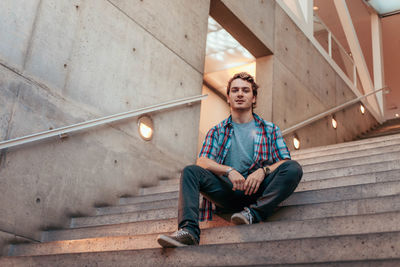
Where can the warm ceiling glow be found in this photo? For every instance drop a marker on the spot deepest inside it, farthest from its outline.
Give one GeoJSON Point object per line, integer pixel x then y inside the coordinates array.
{"type": "Point", "coordinates": [145, 128]}
{"type": "Point", "coordinates": [334, 123]}
{"type": "Point", "coordinates": [296, 143]}
{"type": "Point", "coordinates": [362, 109]}
{"type": "Point", "coordinates": [316, 8]}
{"type": "Point", "coordinates": [222, 50]}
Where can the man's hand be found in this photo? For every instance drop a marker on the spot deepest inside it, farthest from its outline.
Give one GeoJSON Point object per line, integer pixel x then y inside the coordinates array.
{"type": "Point", "coordinates": [237, 180]}
{"type": "Point", "coordinates": [253, 182]}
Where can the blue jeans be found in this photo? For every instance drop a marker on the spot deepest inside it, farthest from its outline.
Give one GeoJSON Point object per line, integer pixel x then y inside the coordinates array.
{"type": "Point", "coordinates": [275, 188]}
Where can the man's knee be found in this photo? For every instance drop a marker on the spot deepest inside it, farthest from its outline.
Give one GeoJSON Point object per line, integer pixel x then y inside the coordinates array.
{"type": "Point", "coordinates": [191, 171]}
{"type": "Point", "coordinates": [293, 171]}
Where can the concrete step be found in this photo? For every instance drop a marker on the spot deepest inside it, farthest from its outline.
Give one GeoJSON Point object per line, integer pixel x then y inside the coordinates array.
{"type": "Point", "coordinates": [147, 198]}
{"type": "Point", "coordinates": [337, 208]}
{"type": "Point", "coordinates": [331, 198]}
{"type": "Point", "coordinates": [344, 193]}
{"type": "Point", "coordinates": [352, 170]}
{"type": "Point", "coordinates": [341, 163]}
{"type": "Point", "coordinates": [375, 177]}
{"type": "Point", "coordinates": [146, 215]}
{"type": "Point", "coordinates": [351, 154]}
{"type": "Point", "coordinates": [304, 195]}
{"type": "Point", "coordinates": [125, 229]}
{"type": "Point", "coordinates": [174, 181]}
{"type": "Point", "coordinates": [298, 212]}
{"type": "Point", "coordinates": [261, 232]}
{"type": "Point", "coordinates": [346, 147]}
{"type": "Point", "coordinates": [337, 248]}
{"type": "Point", "coordinates": [159, 189]}
{"type": "Point", "coordinates": [369, 178]}
{"type": "Point", "coordinates": [166, 203]}
{"type": "Point", "coordinates": [365, 170]}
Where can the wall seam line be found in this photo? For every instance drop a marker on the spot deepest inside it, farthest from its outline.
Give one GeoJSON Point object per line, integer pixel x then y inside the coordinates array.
{"type": "Point", "coordinates": [141, 26]}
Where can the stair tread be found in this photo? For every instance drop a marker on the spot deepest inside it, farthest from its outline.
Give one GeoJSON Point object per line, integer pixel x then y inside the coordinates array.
{"type": "Point", "coordinates": [302, 250]}
{"type": "Point", "coordinates": [333, 207]}
{"type": "Point", "coordinates": [262, 232]}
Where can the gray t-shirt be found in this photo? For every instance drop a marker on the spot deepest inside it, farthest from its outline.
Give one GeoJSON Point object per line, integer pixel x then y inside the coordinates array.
{"type": "Point", "coordinates": [240, 154]}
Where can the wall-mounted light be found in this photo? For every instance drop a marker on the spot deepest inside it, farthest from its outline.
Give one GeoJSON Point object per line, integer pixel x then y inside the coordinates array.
{"type": "Point", "coordinates": [362, 109]}
{"type": "Point", "coordinates": [397, 115]}
{"type": "Point", "coordinates": [334, 123]}
{"type": "Point", "coordinates": [296, 142]}
{"type": "Point", "coordinates": [145, 126]}
{"type": "Point", "coordinates": [316, 8]}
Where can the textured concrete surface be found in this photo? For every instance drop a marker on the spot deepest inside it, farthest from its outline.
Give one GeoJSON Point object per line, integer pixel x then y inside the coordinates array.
{"type": "Point", "coordinates": [64, 62]}
{"type": "Point", "coordinates": [302, 205]}
{"type": "Point", "coordinates": [347, 147]}
{"type": "Point", "coordinates": [344, 193]}
{"type": "Point", "coordinates": [258, 16]}
{"type": "Point", "coordinates": [308, 250]}
{"type": "Point", "coordinates": [173, 202]}
{"type": "Point", "coordinates": [370, 159]}
{"type": "Point", "coordinates": [166, 22]}
{"type": "Point", "coordinates": [352, 170]}
{"type": "Point", "coordinates": [384, 176]}
{"type": "Point", "coordinates": [223, 235]}
{"type": "Point", "coordinates": [153, 197]}
{"type": "Point", "coordinates": [154, 214]}
{"type": "Point", "coordinates": [352, 154]}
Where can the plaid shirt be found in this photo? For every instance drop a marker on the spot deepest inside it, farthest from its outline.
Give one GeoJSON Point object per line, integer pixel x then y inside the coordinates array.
{"type": "Point", "coordinates": [269, 147]}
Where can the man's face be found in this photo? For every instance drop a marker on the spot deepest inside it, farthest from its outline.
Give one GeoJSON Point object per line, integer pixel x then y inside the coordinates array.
{"type": "Point", "coordinates": [241, 95]}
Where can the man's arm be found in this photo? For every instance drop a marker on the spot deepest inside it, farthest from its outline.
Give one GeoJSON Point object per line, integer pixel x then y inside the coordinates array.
{"type": "Point", "coordinates": [218, 169]}
{"type": "Point", "coordinates": [254, 180]}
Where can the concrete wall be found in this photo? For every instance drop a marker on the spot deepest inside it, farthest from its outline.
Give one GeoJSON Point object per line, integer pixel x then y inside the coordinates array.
{"type": "Point", "coordinates": [64, 62]}
{"type": "Point", "coordinates": [213, 110]}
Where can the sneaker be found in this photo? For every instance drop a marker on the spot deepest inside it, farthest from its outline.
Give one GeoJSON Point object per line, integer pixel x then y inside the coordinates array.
{"type": "Point", "coordinates": [178, 239]}
{"type": "Point", "coordinates": [243, 217]}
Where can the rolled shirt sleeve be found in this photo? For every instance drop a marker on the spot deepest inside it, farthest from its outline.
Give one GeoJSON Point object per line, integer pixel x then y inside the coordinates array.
{"type": "Point", "coordinates": [279, 149]}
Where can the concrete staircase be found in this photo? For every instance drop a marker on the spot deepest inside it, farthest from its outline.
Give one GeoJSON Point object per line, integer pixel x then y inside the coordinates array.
{"type": "Point", "coordinates": [388, 127]}
{"type": "Point", "coordinates": [345, 212]}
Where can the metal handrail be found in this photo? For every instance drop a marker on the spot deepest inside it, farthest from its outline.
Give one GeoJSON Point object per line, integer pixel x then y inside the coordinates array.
{"type": "Point", "coordinates": [100, 121]}
{"type": "Point", "coordinates": [328, 112]}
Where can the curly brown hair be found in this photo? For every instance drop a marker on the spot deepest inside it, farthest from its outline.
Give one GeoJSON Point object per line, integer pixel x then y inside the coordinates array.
{"type": "Point", "coordinates": [245, 77]}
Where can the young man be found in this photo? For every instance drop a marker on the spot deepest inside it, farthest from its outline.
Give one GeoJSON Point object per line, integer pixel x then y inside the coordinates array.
{"type": "Point", "coordinates": [244, 165]}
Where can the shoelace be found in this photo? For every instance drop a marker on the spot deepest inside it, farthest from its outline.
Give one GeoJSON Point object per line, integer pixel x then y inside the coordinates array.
{"type": "Point", "coordinates": [248, 215]}
{"type": "Point", "coordinates": [181, 233]}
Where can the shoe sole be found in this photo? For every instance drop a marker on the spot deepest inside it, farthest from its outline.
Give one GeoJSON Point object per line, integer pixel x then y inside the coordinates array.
{"type": "Point", "coordinates": [167, 242]}
{"type": "Point", "coordinates": [239, 219]}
